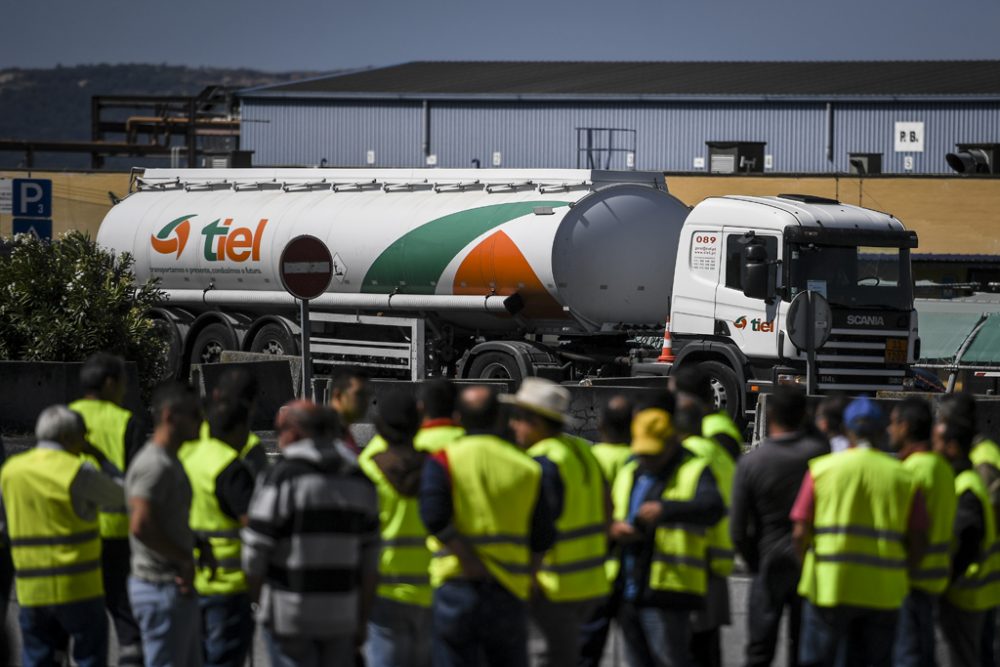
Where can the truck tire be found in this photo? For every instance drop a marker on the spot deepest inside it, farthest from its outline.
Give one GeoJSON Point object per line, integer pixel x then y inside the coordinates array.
{"type": "Point", "coordinates": [210, 343]}
{"type": "Point", "coordinates": [495, 366]}
{"type": "Point", "coordinates": [726, 388]}
{"type": "Point", "coordinates": [174, 354]}
{"type": "Point", "coordinates": [274, 339]}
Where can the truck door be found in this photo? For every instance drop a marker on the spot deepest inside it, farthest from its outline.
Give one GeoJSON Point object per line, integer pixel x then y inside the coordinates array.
{"type": "Point", "coordinates": [750, 323]}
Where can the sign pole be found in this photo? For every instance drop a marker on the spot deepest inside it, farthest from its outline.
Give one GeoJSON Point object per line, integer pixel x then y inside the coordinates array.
{"type": "Point", "coordinates": [306, 356]}
{"type": "Point", "coordinates": [306, 269]}
{"type": "Point", "coordinates": [810, 344]}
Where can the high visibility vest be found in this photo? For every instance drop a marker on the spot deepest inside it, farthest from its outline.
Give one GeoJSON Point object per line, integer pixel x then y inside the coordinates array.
{"type": "Point", "coordinates": [404, 564]}
{"type": "Point", "coordinates": [720, 543]}
{"type": "Point", "coordinates": [720, 423]}
{"type": "Point", "coordinates": [433, 438]}
{"type": "Point", "coordinates": [203, 461]}
{"type": "Point", "coordinates": [494, 489]}
{"type": "Point", "coordinates": [611, 458]}
{"type": "Point", "coordinates": [574, 568]}
{"type": "Point", "coordinates": [57, 555]}
{"type": "Point", "coordinates": [935, 478]}
{"type": "Point", "coordinates": [858, 556]}
{"type": "Point", "coordinates": [106, 425]}
{"type": "Point", "coordinates": [678, 564]}
{"type": "Point", "coordinates": [985, 451]}
{"type": "Point", "coordinates": [253, 440]}
{"type": "Point", "coordinates": [978, 588]}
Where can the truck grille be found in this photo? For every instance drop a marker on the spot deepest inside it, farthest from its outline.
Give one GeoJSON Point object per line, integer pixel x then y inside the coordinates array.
{"type": "Point", "coordinates": [855, 360]}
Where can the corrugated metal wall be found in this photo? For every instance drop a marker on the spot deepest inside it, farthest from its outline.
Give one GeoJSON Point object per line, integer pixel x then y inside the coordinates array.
{"type": "Point", "coordinates": [869, 129]}
{"type": "Point", "coordinates": [668, 136]}
{"type": "Point", "coordinates": [297, 133]}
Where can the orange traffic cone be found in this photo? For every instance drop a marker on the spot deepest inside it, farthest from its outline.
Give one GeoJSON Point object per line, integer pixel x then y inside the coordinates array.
{"type": "Point", "coordinates": [667, 355]}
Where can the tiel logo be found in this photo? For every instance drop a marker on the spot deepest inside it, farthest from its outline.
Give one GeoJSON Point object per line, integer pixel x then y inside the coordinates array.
{"type": "Point", "coordinates": [741, 323]}
{"type": "Point", "coordinates": [173, 237]}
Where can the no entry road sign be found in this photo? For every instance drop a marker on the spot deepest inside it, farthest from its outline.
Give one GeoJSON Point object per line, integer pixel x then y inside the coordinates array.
{"type": "Point", "coordinates": [306, 267]}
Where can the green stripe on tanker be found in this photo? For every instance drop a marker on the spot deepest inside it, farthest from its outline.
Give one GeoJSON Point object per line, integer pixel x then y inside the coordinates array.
{"type": "Point", "coordinates": [413, 264]}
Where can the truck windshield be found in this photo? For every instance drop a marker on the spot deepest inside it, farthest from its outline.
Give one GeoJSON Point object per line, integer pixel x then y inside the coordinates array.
{"type": "Point", "coordinates": [852, 277]}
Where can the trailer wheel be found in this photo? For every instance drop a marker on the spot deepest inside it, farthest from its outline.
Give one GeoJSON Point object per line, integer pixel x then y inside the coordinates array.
{"type": "Point", "coordinates": [725, 386]}
{"type": "Point", "coordinates": [274, 339]}
{"type": "Point", "coordinates": [495, 366]}
{"type": "Point", "coordinates": [174, 354]}
{"type": "Point", "coordinates": [210, 344]}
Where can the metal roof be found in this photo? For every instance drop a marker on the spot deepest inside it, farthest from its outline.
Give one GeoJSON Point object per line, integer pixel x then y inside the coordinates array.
{"type": "Point", "coordinates": [841, 79]}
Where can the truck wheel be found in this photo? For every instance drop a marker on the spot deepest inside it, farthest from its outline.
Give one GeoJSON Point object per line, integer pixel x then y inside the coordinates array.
{"type": "Point", "coordinates": [210, 343]}
{"type": "Point", "coordinates": [495, 366]}
{"type": "Point", "coordinates": [174, 354]}
{"type": "Point", "coordinates": [274, 339]}
{"type": "Point", "coordinates": [725, 386]}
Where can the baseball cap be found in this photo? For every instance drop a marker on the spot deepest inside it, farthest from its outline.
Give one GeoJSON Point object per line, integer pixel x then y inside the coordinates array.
{"type": "Point", "coordinates": [650, 429]}
{"type": "Point", "coordinates": [862, 410]}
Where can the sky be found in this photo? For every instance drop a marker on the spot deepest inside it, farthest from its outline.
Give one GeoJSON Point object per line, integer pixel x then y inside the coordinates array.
{"type": "Point", "coordinates": [323, 35]}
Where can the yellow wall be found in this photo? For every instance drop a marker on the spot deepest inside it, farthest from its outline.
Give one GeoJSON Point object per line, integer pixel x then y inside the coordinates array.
{"type": "Point", "coordinates": [950, 215]}
{"type": "Point", "coordinates": [79, 200]}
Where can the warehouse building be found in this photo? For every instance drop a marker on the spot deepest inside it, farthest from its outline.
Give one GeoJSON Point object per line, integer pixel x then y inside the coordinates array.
{"type": "Point", "coordinates": [712, 117]}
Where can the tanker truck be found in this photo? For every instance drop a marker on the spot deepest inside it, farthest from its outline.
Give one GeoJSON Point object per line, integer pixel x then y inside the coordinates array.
{"type": "Point", "coordinates": [565, 274]}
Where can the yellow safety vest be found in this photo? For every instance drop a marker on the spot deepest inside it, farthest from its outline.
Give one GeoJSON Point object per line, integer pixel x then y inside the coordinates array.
{"type": "Point", "coordinates": [574, 568]}
{"type": "Point", "coordinates": [978, 588]}
{"type": "Point", "coordinates": [720, 423]}
{"type": "Point", "coordinates": [681, 550]}
{"type": "Point", "coordinates": [203, 461]}
{"type": "Point", "coordinates": [720, 542]}
{"type": "Point", "coordinates": [611, 458]}
{"type": "Point", "coordinates": [405, 560]}
{"type": "Point", "coordinates": [253, 440]}
{"type": "Point", "coordinates": [936, 480]}
{"type": "Point", "coordinates": [985, 451]}
{"type": "Point", "coordinates": [494, 488]}
{"type": "Point", "coordinates": [433, 438]}
{"type": "Point", "coordinates": [858, 556]}
{"type": "Point", "coordinates": [57, 555]}
{"type": "Point", "coordinates": [106, 425]}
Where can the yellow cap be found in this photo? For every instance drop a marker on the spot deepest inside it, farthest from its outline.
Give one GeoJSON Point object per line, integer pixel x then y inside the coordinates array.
{"type": "Point", "coordinates": [650, 430]}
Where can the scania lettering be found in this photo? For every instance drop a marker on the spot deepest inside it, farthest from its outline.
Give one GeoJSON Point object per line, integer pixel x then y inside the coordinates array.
{"type": "Point", "coordinates": [567, 274]}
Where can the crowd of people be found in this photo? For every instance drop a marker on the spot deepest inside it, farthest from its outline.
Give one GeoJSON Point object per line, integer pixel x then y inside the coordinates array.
{"type": "Point", "coordinates": [473, 516]}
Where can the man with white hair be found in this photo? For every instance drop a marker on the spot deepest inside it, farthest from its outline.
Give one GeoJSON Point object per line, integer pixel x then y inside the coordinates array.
{"type": "Point", "coordinates": [51, 498]}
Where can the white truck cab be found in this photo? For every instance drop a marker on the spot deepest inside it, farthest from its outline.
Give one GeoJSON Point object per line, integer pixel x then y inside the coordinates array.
{"type": "Point", "coordinates": [742, 261]}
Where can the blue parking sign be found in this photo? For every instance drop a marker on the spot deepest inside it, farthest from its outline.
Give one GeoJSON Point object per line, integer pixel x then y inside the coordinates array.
{"type": "Point", "coordinates": [37, 227]}
{"type": "Point", "coordinates": [32, 198]}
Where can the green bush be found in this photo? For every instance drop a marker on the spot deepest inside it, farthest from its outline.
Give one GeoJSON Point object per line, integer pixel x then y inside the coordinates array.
{"type": "Point", "coordinates": [64, 300]}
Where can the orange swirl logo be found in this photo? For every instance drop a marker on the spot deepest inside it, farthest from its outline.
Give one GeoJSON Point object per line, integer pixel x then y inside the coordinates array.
{"type": "Point", "coordinates": [173, 237]}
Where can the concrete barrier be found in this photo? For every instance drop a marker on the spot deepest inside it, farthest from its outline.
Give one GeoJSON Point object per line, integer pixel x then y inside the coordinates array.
{"type": "Point", "coordinates": [28, 387]}
{"type": "Point", "coordinates": [274, 385]}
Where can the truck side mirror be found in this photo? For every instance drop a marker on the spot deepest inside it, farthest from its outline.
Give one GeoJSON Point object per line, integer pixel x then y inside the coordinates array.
{"type": "Point", "coordinates": [759, 274]}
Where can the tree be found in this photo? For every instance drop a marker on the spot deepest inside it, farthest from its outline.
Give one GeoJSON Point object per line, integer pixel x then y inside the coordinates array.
{"type": "Point", "coordinates": [66, 299]}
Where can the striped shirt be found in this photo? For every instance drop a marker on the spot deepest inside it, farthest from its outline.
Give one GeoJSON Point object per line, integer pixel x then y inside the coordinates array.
{"type": "Point", "coordinates": [313, 533]}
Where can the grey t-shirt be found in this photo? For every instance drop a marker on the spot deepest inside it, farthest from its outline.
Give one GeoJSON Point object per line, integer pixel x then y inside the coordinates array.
{"type": "Point", "coordinates": [158, 477]}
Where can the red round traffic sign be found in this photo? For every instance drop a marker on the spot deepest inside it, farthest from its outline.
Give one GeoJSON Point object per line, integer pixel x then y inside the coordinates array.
{"type": "Point", "coordinates": [305, 267]}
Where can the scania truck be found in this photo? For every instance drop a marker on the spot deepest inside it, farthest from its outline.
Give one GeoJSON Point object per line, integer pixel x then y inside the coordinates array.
{"type": "Point", "coordinates": [566, 274]}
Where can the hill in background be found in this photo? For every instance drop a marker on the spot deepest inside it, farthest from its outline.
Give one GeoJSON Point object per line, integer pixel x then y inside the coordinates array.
{"type": "Point", "coordinates": [54, 103]}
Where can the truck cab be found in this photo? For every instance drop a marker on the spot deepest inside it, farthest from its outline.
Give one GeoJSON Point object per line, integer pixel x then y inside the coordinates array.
{"type": "Point", "coordinates": [742, 262]}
